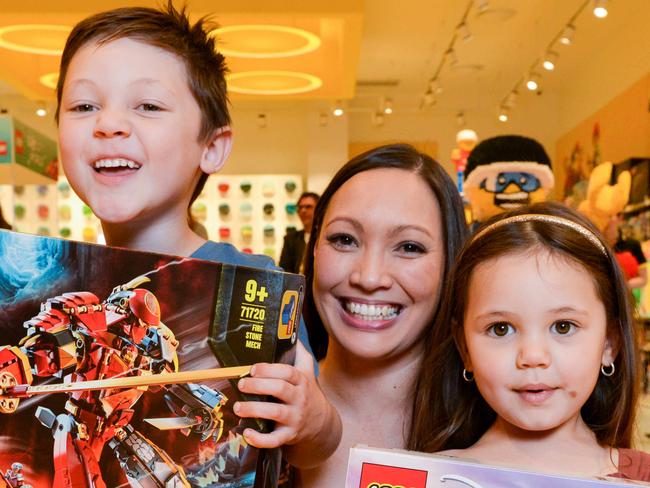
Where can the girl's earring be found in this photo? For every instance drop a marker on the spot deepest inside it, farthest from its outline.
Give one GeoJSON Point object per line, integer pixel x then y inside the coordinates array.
{"type": "Point", "coordinates": [469, 376]}
{"type": "Point", "coordinates": [607, 370]}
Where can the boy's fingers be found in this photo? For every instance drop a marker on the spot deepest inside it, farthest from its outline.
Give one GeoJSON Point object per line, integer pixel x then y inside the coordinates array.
{"type": "Point", "coordinates": [277, 438]}
{"type": "Point", "coordinates": [284, 372]}
{"type": "Point", "coordinates": [279, 389]}
{"type": "Point", "coordinates": [265, 410]}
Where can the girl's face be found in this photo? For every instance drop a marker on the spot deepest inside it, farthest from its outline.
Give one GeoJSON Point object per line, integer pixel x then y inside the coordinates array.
{"type": "Point", "coordinates": [535, 332]}
{"type": "Point", "coordinates": [378, 263]}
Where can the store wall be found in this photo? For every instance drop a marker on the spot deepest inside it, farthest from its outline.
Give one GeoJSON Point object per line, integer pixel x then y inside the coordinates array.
{"type": "Point", "coordinates": [618, 130]}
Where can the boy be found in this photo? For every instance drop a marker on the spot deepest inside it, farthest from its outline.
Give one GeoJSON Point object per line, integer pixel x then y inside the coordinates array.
{"type": "Point", "coordinates": [143, 120]}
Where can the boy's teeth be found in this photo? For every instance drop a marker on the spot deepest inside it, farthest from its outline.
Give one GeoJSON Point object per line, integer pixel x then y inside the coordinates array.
{"type": "Point", "coordinates": [116, 163]}
{"type": "Point", "coordinates": [371, 312]}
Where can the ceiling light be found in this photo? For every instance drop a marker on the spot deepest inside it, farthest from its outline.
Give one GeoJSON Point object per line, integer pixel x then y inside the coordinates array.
{"type": "Point", "coordinates": [265, 41]}
{"type": "Point", "coordinates": [388, 106]}
{"type": "Point", "coordinates": [482, 5]}
{"type": "Point", "coordinates": [567, 35]}
{"type": "Point", "coordinates": [533, 82]}
{"type": "Point", "coordinates": [464, 33]}
{"type": "Point", "coordinates": [272, 82]}
{"type": "Point", "coordinates": [451, 56]}
{"type": "Point", "coordinates": [47, 34]}
{"type": "Point", "coordinates": [261, 121]}
{"type": "Point", "coordinates": [377, 119]}
{"type": "Point", "coordinates": [549, 61]}
{"type": "Point", "coordinates": [511, 99]}
{"type": "Point", "coordinates": [322, 119]}
{"type": "Point", "coordinates": [600, 8]}
{"type": "Point", "coordinates": [41, 110]}
{"type": "Point", "coordinates": [503, 114]}
{"type": "Point", "coordinates": [338, 110]}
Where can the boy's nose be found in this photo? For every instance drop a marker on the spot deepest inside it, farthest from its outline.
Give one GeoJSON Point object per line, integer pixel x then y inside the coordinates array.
{"type": "Point", "coordinates": [533, 353]}
{"type": "Point", "coordinates": [371, 271]}
{"type": "Point", "coordinates": [112, 124]}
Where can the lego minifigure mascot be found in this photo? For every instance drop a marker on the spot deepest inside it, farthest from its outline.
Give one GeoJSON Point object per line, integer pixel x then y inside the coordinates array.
{"type": "Point", "coordinates": [506, 172]}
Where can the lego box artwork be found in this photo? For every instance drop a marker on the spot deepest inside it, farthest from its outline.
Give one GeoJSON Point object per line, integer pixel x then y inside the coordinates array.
{"type": "Point", "coordinates": [395, 468]}
{"type": "Point", "coordinates": [119, 368]}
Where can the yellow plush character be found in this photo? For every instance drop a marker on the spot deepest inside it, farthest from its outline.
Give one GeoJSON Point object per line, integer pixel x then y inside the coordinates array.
{"type": "Point", "coordinates": [506, 172]}
{"type": "Point", "coordinates": [603, 200]}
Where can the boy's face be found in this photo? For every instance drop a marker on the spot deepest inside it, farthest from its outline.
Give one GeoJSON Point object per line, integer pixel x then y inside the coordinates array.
{"type": "Point", "coordinates": [128, 131]}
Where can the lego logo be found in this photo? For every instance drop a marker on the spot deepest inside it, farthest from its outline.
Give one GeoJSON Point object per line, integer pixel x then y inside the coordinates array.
{"type": "Point", "coordinates": [381, 476]}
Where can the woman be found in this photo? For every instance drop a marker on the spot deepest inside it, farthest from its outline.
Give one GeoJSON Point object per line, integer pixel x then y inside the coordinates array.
{"type": "Point", "coordinates": [385, 234]}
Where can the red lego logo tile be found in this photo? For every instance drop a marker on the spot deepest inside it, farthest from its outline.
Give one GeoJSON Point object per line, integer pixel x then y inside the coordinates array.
{"type": "Point", "coordinates": [381, 476]}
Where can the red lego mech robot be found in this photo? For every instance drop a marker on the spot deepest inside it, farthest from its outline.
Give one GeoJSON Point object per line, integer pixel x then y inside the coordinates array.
{"type": "Point", "coordinates": [107, 354]}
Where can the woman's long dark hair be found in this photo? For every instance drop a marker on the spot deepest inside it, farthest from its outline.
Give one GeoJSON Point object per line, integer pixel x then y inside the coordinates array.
{"type": "Point", "coordinates": [454, 227]}
{"type": "Point", "coordinates": [453, 414]}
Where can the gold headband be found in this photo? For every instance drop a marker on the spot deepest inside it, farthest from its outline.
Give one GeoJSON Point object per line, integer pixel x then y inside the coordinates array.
{"type": "Point", "coordinates": [550, 219]}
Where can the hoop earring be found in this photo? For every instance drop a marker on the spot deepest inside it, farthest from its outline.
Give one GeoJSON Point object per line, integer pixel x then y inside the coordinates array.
{"type": "Point", "coordinates": [468, 375]}
{"type": "Point", "coordinates": [607, 370]}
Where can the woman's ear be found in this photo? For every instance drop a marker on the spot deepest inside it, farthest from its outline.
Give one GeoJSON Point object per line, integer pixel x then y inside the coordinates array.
{"type": "Point", "coordinates": [216, 150]}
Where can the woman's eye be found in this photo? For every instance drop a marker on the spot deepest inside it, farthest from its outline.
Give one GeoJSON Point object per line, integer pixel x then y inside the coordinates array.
{"type": "Point", "coordinates": [411, 248]}
{"type": "Point", "coordinates": [563, 327]}
{"type": "Point", "coordinates": [500, 329]}
{"type": "Point", "coordinates": [341, 240]}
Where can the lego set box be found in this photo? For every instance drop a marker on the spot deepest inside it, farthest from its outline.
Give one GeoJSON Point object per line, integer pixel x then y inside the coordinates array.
{"type": "Point", "coordinates": [119, 368]}
{"type": "Point", "coordinates": [395, 468]}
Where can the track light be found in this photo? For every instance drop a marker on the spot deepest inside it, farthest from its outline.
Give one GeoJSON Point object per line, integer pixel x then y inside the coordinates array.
{"type": "Point", "coordinates": [322, 119]}
{"type": "Point", "coordinates": [261, 121]}
{"type": "Point", "coordinates": [451, 56]}
{"type": "Point", "coordinates": [550, 60]}
{"type": "Point", "coordinates": [377, 119]}
{"type": "Point", "coordinates": [435, 87]}
{"type": "Point", "coordinates": [511, 99]}
{"type": "Point", "coordinates": [567, 35]}
{"type": "Point", "coordinates": [429, 98]}
{"type": "Point", "coordinates": [464, 33]}
{"type": "Point", "coordinates": [338, 110]}
{"type": "Point", "coordinates": [388, 106]}
{"type": "Point", "coordinates": [600, 8]}
{"type": "Point", "coordinates": [460, 119]}
{"type": "Point", "coordinates": [533, 82]}
{"type": "Point", "coordinates": [482, 5]}
{"type": "Point", "coordinates": [503, 114]}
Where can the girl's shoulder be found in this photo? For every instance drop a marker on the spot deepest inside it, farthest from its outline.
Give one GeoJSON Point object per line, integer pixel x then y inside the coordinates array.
{"type": "Point", "coordinates": [633, 464]}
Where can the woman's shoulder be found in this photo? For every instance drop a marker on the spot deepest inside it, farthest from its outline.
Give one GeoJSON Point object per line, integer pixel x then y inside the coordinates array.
{"type": "Point", "coordinates": [633, 464]}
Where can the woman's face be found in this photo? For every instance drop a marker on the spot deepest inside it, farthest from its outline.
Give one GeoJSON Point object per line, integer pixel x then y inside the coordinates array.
{"type": "Point", "coordinates": [378, 263]}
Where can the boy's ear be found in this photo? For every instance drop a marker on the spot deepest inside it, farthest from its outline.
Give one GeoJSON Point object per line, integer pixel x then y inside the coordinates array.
{"type": "Point", "coordinates": [216, 150]}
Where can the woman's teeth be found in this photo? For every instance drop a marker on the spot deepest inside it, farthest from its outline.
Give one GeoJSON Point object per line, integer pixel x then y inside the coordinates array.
{"type": "Point", "coordinates": [116, 163]}
{"type": "Point", "coordinates": [372, 312]}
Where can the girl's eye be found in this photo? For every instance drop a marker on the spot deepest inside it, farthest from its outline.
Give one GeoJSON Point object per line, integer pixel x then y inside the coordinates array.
{"type": "Point", "coordinates": [411, 248]}
{"type": "Point", "coordinates": [563, 327]}
{"type": "Point", "coordinates": [500, 329]}
{"type": "Point", "coordinates": [341, 241]}
{"type": "Point", "coordinates": [150, 107]}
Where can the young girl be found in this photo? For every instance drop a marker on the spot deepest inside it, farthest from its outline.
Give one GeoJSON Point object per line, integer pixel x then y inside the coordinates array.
{"type": "Point", "coordinates": [536, 363]}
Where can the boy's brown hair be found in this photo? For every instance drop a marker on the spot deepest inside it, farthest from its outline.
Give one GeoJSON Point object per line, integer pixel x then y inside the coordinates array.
{"type": "Point", "coordinates": [171, 30]}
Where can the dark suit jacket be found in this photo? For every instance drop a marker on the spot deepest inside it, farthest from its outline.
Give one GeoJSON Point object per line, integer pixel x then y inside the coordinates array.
{"type": "Point", "coordinates": [292, 251]}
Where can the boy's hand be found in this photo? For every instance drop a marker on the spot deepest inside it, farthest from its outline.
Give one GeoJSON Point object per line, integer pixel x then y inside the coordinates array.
{"type": "Point", "coordinates": [305, 422]}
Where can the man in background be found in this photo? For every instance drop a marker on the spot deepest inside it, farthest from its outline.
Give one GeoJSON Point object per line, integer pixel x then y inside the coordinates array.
{"type": "Point", "coordinates": [295, 242]}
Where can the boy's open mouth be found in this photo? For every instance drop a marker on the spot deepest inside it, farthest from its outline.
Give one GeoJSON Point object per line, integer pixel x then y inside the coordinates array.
{"type": "Point", "coordinates": [116, 166]}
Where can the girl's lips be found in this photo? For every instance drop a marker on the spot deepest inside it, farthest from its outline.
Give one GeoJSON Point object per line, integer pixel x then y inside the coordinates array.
{"type": "Point", "coordinates": [535, 394]}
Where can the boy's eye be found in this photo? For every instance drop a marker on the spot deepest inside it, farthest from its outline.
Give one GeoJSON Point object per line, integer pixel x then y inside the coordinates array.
{"type": "Point", "coordinates": [83, 107]}
{"type": "Point", "coordinates": [500, 329]}
{"type": "Point", "coordinates": [563, 327]}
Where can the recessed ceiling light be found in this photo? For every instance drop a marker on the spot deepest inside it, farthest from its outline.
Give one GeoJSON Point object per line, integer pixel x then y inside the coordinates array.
{"type": "Point", "coordinates": [34, 38]}
{"type": "Point", "coordinates": [269, 82]}
{"type": "Point", "coordinates": [264, 41]}
{"type": "Point", "coordinates": [50, 80]}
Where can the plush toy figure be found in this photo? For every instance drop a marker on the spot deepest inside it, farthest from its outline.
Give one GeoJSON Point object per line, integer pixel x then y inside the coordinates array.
{"type": "Point", "coordinates": [506, 172]}
{"type": "Point", "coordinates": [603, 200]}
